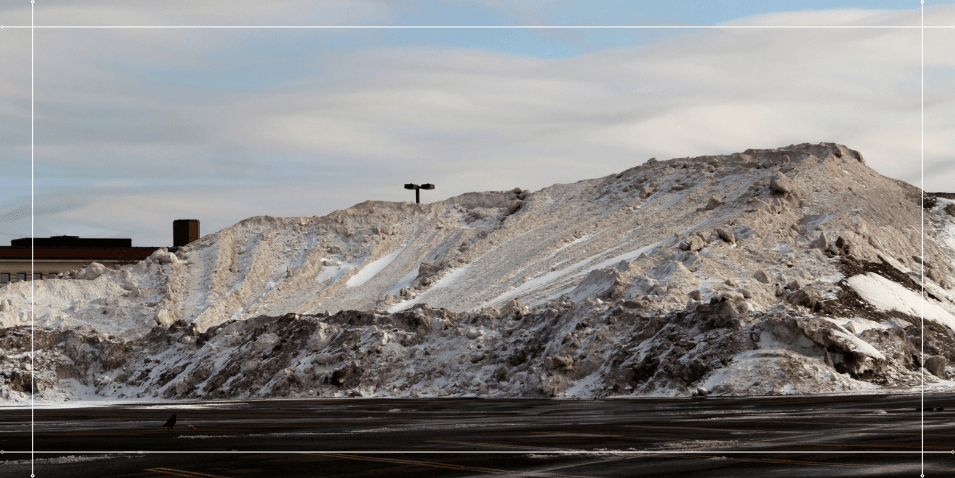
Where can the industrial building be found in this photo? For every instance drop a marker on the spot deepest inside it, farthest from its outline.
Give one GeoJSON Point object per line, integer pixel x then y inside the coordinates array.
{"type": "Point", "coordinates": [50, 256]}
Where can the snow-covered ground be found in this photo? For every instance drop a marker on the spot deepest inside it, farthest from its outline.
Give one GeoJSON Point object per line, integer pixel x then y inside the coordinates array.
{"type": "Point", "coordinates": [486, 293]}
{"type": "Point", "coordinates": [887, 295]}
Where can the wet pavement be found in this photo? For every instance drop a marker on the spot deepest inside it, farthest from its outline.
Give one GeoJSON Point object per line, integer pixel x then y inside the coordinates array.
{"type": "Point", "coordinates": [859, 435]}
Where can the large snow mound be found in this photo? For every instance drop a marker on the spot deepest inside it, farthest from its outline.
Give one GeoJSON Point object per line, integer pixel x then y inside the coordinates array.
{"type": "Point", "coordinates": [710, 272]}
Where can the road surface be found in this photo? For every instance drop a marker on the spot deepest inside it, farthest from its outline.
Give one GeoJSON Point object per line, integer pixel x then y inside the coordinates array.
{"type": "Point", "coordinates": [861, 435]}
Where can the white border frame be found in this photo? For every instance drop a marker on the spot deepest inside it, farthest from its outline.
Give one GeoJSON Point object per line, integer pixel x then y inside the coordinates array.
{"type": "Point", "coordinates": [33, 27]}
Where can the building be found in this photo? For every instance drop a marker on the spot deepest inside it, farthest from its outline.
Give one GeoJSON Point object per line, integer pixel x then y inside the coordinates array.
{"type": "Point", "coordinates": [184, 231]}
{"type": "Point", "coordinates": [53, 255]}
{"type": "Point", "coordinates": [58, 254]}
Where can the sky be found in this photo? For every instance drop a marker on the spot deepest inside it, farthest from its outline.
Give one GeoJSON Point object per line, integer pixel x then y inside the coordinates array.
{"type": "Point", "coordinates": [134, 128]}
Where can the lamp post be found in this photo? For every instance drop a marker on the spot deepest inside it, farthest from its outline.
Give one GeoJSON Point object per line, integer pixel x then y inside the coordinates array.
{"type": "Point", "coordinates": [417, 190]}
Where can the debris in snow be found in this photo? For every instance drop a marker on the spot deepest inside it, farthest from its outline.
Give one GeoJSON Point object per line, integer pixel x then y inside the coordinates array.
{"type": "Point", "coordinates": [781, 184]}
{"type": "Point", "coordinates": [713, 203]}
{"type": "Point", "coordinates": [726, 235]}
{"type": "Point", "coordinates": [693, 243]}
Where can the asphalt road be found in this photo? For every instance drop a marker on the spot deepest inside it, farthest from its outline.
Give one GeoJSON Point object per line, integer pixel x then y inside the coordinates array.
{"type": "Point", "coordinates": [874, 435]}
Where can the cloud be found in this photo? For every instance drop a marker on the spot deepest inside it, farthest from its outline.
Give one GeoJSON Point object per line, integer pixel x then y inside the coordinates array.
{"type": "Point", "coordinates": [208, 12]}
{"type": "Point", "coordinates": [42, 209]}
{"type": "Point", "coordinates": [153, 126]}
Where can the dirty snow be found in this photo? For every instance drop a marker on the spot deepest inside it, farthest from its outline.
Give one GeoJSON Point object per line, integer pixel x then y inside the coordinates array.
{"type": "Point", "coordinates": [622, 285]}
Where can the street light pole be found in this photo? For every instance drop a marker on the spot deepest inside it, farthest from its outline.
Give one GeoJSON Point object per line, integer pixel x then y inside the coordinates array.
{"type": "Point", "coordinates": [417, 190]}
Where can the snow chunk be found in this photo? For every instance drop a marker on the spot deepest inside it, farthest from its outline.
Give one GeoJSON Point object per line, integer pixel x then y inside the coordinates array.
{"type": "Point", "coordinates": [597, 283]}
{"type": "Point", "coordinates": [858, 345]}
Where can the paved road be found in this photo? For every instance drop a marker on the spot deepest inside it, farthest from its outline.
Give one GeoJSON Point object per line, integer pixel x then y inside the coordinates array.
{"type": "Point", "coordinates": [731, 437]}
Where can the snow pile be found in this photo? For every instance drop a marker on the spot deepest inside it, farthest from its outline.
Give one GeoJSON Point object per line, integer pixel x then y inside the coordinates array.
{"type": "Point", "coordinates": [768, 271]}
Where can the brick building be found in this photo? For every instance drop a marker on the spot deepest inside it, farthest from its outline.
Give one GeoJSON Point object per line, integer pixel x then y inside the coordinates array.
{"type": "Point", "coordinates": [58, 254]}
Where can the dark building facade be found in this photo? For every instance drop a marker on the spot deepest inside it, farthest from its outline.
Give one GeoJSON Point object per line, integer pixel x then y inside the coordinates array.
{"type": "Point", "coordinates": [45, 257]}
{"type": "Point", "coordinates": [184, 231]}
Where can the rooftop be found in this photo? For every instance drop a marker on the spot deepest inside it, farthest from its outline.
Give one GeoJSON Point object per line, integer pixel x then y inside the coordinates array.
{"type": "Point", "coordinates": [70, 242]}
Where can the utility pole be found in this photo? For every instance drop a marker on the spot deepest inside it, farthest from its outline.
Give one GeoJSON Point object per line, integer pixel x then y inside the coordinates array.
{"type": "Point", "coordinates": [417, 190]}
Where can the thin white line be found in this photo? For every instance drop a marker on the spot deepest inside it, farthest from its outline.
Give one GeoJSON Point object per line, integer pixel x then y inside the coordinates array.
{"type": "Point", "coordinates": [32, 253]}
{"type": "Point", "coordinates": [486, 452]}
{"type": "Point", "coordinates": [922, 224]}
{"type": "Point", "coordinates": [489, 27]}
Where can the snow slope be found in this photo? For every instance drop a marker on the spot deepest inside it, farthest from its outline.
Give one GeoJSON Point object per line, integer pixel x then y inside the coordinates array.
{"type": "Point", "coordinates": [748, 237]}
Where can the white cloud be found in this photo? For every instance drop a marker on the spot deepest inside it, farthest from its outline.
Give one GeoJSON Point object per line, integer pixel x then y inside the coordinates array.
{"type": "Point", "coordinates": [330, 128]}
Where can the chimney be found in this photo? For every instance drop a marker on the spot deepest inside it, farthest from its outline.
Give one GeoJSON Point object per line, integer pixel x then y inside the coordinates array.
{"type": "Point", "coordinates": [184, 231]}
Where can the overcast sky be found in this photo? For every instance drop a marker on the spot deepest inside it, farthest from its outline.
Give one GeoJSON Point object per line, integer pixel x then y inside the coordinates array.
{"type": "Point", "coordinates": [138, 127]}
